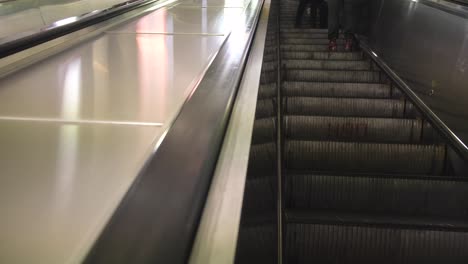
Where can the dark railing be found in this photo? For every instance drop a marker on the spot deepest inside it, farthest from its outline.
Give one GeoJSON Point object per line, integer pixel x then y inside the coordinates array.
{"type": "Point", "coordinates": [457, 144]}
{"type": "Point", "coordinates": [30, 39]}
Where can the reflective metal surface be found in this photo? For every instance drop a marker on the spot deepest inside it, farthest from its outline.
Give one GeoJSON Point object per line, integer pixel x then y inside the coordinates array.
{"type": "Point", "coordinates": [77, 127]}
{"type": "Point", "coordinates": [215, 3]}
{"type": "Point", "coordinates": [59, 185]}
{"type": "Point", "coordinates": [113, 78]}
{"type": "Point", "coordinates": [185, 20]}
{"type": "Point", "coordinates": [29, 15]}
{"type": "Point", "coordinates": [428, 48]}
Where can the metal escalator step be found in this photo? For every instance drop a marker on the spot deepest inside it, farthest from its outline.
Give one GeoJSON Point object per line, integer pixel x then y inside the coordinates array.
{"type": "Point", "coordinates": [304, 35]}
{"type": "Point", "coordinates": [265, 108]}
{"type": "Point", "coordinates": [300, 30]}
{"type": "Point", "coordinates": [352, 107]}
{"type": "Point", "coordinates": [354, 157]}
{"type": "Point", "coordinates": [302, 48]}
{"type": "Point", "coordinates": [257, 243]}
{"type": "Point", "coordinates": [390, 195]}
{"type": "Point", "coordinates": [267, 91]}
{"type": "Point", "coordinates": [320, 55]}
{"type": "Point", "coordinates": [260, 193]}
{"type": "Point", "coordinates": [323, 89]}
{"type": "Point", "coordinates": [385, 130]}
{"type": "Point", "coordinates": [264, 131]}
{"type": "Point", "coordinates": [262, 159]}
{"type": "Point", "coordinates": [270, 66]}
{"type": "Point", "coordinates": [268, 76]}
{"type": "Point", "coordinates": [326, 65]}
{"type": "Point", "coordinates": [332, 76]}
{"type": "Point", "coordinates": [308, 41]}
{"type": "Point", "coordinates": [350, 244]}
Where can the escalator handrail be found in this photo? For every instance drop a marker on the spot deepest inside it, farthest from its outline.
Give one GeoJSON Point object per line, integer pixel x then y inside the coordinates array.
{"type": "Point", "coordinates": [453, 140]}
{"type": "Point", "coordinates": [158, 218]}
{"type": "Point", "coordinates": [26, 40]}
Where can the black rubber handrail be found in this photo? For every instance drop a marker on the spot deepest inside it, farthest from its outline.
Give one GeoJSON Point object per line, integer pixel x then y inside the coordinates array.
{"type": "Point", "coordinates": [158, 218]}
{"type": "Point", "coordinates": [453, 140]}
{"type": "Point", "coordinates": [26, 40]}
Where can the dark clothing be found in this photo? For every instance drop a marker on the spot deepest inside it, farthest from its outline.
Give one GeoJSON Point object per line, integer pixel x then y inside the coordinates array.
{"type": "Point", "coordinates": [335, 7]}
{"type": "Point", "coordinates": [314, 4]}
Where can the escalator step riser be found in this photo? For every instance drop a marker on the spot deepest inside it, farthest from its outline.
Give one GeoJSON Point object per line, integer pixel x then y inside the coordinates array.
{"type": "Point", "coordinates": [347, 107]}
{"type": "Point", "coordinates": [354, 129]}
{"type": "Point", "coordinates": [256, 244]}
{"type": "Point", "coordinates": [343, 157]}
{"type": "Point", "coordinates": [268, 76]}
{"type": "Point", "coordinates": [319, 55]}
{"type": "Point", "coordinates": [260, 195]}
{"type": "Point", "coordinates": [264, 131]}
{"type": "Point", "coordinates": [378, 195]}
{"type": "Point", "coordinates": [356, 90]}
{"type": "Point", "coordinates": [268, 67]}
{"type": "Point", "coordinates": [308, 30]}
{"type": "Point", "coordinates": [265, 108]}
{"type": "Point", "coordinates": [332, 76]}
{"type": "Point", "coordinates": [302, 35]}
{"type": "Point", "coordinates": [308, 48]}
{"type": "Point", "coordinates": [326, 65]}
{"type": "Point", "coordinates": [302, 41]}
{"type": "Point", "coordinates": [316, 243]}
{"type": "Point", "coordinates": [267, 91]}
{"type": "Point", "coordinates": [262, 159]}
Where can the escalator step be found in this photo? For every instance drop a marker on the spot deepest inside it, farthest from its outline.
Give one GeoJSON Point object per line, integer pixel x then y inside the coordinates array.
{"type": "Point", "coordinates": [332, 76]}
{"type": "Point", "coordinates": [270, 66]}
{"type": "Point", "coordinates": [343, 157]}
{"type": "Point", "coordinates": [268, 76]}
{"type": "Point", "coordinates": [323, 89]}
{"type": "Point", "coordinates": [348, 244]}
{"type": "Point", "coordinates": [262, 159]}
{"type": "Point", "coordinates": [308, 41]}
{"type": "Point", "coordinates": [260, 193]}
{"type": "Point", "coordinates": [264, 131]}
{"type": "Point", "coordinates": [265, 108]}
{"type": "Point", "coordinates": [305, 35]}
{"type": "Point", "coordinates": [257, 243]}
{"type": "Point", "coordinates": [379, 194]}
{"type": "Point", "coordinates": [326, 65]}
{"type": "Point", "coordinates": [321, 55]}
{"type": "Point", "coordinates": [267, 91]}
{"type": "Point", "coordinates": [301, 30]}
{"type": "Point", "coordinates": [360, 129]}
{"type": "Point", "coordinates": [307, 48]}
{"type": "Point", "coordinates": [352, 107]}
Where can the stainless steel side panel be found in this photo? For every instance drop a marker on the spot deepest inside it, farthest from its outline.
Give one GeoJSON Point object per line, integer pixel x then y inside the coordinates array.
{"type": "Point", "coordinates": [428, 47]}
{"type": "Point", "coordinates": [76, 128]}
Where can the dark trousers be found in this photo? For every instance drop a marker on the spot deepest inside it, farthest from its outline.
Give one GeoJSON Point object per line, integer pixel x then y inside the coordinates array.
{"type": "Point", "coordinates": [335, 7]}
{"type": "Point", "coordinates": [314, 4]}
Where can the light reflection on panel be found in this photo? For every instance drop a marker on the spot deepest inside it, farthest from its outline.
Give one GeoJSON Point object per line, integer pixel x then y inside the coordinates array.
{"type": "Point", "coordinates": [104, 79]}
{"type": "Point", "coordinates": [60, 184]}
{"type": "Point", "coordinates": [186, 20]}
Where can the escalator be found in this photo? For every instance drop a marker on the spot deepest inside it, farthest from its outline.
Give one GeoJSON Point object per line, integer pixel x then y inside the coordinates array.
{"type": "Point", "coordinates": [354, 173]}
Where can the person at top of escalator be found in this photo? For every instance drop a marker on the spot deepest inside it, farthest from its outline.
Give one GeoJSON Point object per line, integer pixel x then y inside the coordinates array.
{"type": "Point", "coordinates": [335, 7]}
{"type": "Point", "coordinates": [314, 5]}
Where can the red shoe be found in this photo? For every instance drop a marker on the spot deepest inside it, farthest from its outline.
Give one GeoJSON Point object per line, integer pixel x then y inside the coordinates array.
{"type": "Point", "coordinates": [349, 45]}
{"type": "Point", "coordinates": [332, 45]}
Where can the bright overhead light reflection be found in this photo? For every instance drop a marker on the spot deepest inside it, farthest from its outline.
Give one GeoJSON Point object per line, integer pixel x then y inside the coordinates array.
{"type": "Point", "coordinates": [65, 21]}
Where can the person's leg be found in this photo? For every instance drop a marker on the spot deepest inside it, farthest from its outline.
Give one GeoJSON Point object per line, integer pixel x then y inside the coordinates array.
{"type": "Point", "coordinates": [323, 8]}
{"type": "Point", "coordinates": [300, 12]}
{"type": "Point", "coordinates": [334, 7]}
{"type": "Point", "coordinates": [350, 24]}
